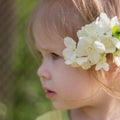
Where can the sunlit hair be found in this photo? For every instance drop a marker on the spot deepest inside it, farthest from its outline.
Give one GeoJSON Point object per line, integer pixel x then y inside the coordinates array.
{"type": "Point", "coordinates": [56, 19]}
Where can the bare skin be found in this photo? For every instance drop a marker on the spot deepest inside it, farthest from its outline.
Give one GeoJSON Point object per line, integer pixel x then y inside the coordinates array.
{"type": "Point", "coordinates": [72, 86]}
{"type": "Point", "coordinates": [108, 111]}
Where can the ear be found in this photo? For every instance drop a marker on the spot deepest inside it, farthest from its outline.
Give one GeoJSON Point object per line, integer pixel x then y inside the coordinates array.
{"type": "Point", "coordinates": [114, 71]}
{"type": "Point", "coordinates": [111, 78]}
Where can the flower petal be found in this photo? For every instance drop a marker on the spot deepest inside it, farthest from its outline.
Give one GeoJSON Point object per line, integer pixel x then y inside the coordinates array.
{"type": "Point", "coordinates": [86, 65]}
{"type": "Point", "coordinates": [114, 21]}
{"type": "Point", "coordinates": [99, 46]}
{"type": "Point", "coordinates": [104, 66]}
{"type": "Point", "coordinates": [96, 40]}
{"type": "Point", "coordinates": [69, 43]}
{"type": "Point", "coordinates": [116, 42]}
{"type": "Point", "coordinates": [117, 61]}
{"type": "Point", "coordinates": [81, 60]}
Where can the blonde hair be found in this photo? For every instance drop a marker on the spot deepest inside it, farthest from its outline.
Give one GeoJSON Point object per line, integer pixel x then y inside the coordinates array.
{"type": "Point", "coordinates": [61, 18]}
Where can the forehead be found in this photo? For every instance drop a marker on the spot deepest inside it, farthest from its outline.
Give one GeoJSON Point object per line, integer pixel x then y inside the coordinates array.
{"type": "Point", "coordinates": [45, 40]}
{"type": "Point", "coordinates": [51, 29]}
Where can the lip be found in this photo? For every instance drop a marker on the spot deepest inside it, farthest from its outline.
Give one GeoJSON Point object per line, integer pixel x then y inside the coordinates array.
{"type": "Point", "coordinates": [49, 93]}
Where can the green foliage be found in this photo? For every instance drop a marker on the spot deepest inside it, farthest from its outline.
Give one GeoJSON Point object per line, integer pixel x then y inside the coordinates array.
{"type": "Point", "coordinates": [3, 111]}
{"type": "Point", "coordinates": [116, 32]}
{"type": "Point", "coordinates": [29, 97]}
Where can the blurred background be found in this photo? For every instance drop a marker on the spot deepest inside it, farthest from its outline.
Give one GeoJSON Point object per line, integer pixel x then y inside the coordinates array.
{"type": "Point", "coordinates": [21, 96]}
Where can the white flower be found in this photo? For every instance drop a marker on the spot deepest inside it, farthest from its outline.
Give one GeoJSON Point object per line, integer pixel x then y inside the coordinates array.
{"type": "Point", "coordinates": [116, 42]}
{"type": "Point", "coordinates": [102, 64]}
{"type": "Point", "coordinates": [91, 30]}
{"type": "Point", "coordinates": [86, 65]}
{"type": "Point", "coordinates": [114, 22]}
{"type": "Point", "coordinates": [96, 40]}
{"type": "Point", "coordinates": [81, 60]}
{"type": "Point", "coordinates": [69, 53]}
{"type": "Point", "coordinates": [108, 43]}
{"type": "Point", "coordinates": [105, 22]}
{"type": "Point", "coordinates": [99, 46]}
{"type": "Point", "coordinates": [90, 50]}
{"type": "Point", "coordinates": [116, 58]}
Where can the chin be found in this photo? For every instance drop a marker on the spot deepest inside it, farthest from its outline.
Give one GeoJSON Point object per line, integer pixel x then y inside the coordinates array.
{"type": "Point", "coordinates": [63, 106]}
{"type": "Point", "coordinates": [60, 106]}
{"type": "Point", "coordinates": [68, 106]}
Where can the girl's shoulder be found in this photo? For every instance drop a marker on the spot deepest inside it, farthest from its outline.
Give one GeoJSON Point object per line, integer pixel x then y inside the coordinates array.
{"type": "Point", "coordinates": [54, 115]}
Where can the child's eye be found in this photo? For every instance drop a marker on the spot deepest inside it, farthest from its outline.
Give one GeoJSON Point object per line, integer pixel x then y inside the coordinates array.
{"type": "Point", "coordinates": [55, 56]}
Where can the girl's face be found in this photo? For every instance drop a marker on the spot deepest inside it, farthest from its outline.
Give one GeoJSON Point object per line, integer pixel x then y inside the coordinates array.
{"type": "Point", "coordinates": [64, 85]}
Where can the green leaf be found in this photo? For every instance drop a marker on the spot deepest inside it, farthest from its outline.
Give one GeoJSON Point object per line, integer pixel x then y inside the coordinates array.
{"type": "Point", "coordinates": [116, 32]}
{"type": "Point", "coordinates": [114, 29]}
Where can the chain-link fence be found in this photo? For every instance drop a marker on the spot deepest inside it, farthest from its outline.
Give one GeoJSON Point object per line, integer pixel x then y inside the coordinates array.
{"type": "Point", "coordinates": [21, 97]}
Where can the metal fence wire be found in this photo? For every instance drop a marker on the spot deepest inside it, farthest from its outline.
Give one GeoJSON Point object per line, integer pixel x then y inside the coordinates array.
{"type": "Point", "coordinates": [20, 88]}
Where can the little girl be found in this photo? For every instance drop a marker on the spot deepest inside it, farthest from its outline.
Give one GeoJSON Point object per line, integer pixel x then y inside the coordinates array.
{"type": "Point", "coordinates": [79, 41]}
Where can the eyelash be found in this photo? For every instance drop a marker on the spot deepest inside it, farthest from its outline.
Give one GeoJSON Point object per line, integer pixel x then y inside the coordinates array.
{"type": "Point", "coordinates": [55, 56]}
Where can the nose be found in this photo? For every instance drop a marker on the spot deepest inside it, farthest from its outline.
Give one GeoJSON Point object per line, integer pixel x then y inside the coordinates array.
{"type": "Point", "coordinates": [43, 72]}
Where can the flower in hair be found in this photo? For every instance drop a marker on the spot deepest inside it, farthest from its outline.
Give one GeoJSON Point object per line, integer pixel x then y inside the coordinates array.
{"type": "Point", "coordinates": [96, 40]}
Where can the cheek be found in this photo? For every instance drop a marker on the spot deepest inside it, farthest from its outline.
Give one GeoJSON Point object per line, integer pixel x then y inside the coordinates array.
{"type": "Point", "coordinates": [73, 84]}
